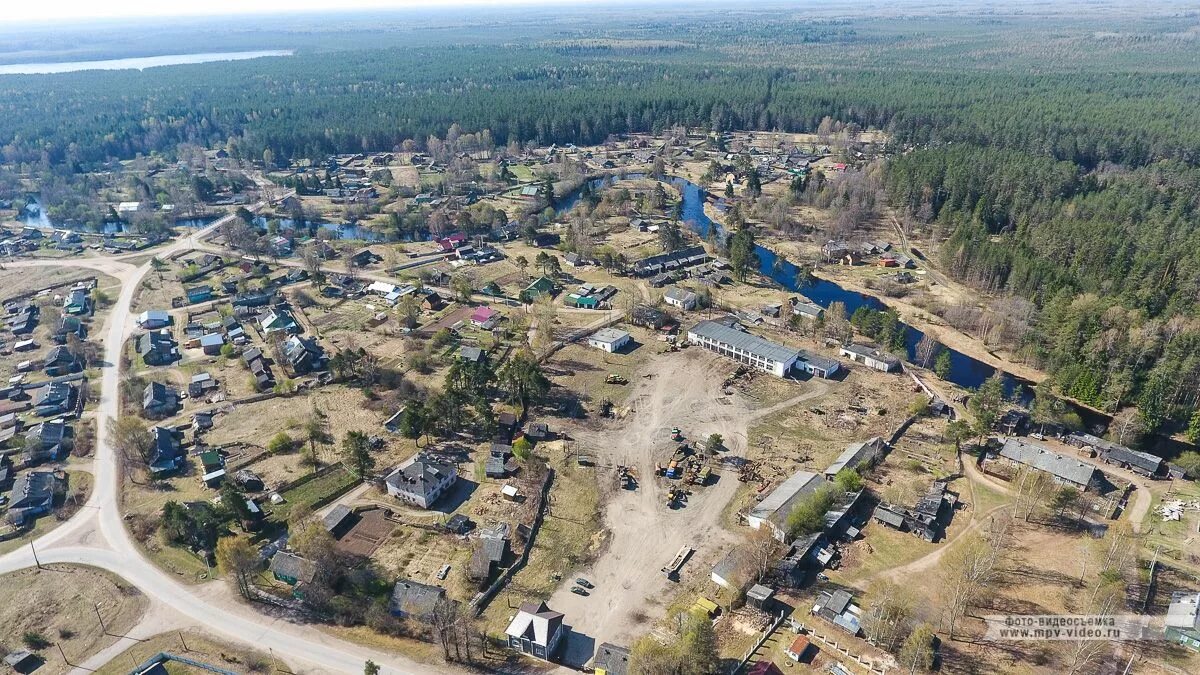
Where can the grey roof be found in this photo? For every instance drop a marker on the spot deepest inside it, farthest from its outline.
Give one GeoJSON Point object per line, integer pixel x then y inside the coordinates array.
{"type": "Point", "coordinates": [1038, 457]}
{"type": "Point", "coordinates": [807, 308]}
{"type": "Point", "coordinates": [32, 490]}
{"type": "Point", "coordinates": [334, 518]}
{"type": "Point", "coordinates": [759, 592]}
{"type": "Point", "coordinates": [414, 599]}
{"type": "Point", "coordinates": [855, 454]}
{"type": "Point", "coordinates": [55, 392]}
{"type": "Point", "coordinates": [818, 361]}
{"type": "Point", "coordinates": [838, 601]}
{"type": "Point", "coordinates": [1116, 452]}
{"type": "Point", "coordinates": [609, 335]}
{"type": "Point", "coordinates": [776, 507]}
{"type": "Point", "coordinates": [612, 659]}
{"type": "Point", "coordinates": [745, 341]}
{"type": "Point", "coordinates": [871, 352]}
{"type": "Point", "coordinates": [887, 514]}
{"type": "Point", "coordinates": [293, 566]}
{"type": "Point", "coordinates": [421, 476]}
{"type": "Point", "coordinates": [680, 294]}
{"type": "Point", "coordinates": [535, 622]}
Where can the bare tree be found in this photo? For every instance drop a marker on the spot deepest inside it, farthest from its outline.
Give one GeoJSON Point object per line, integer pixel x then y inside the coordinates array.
{"type": "Point", "coordinates": [927, 350]}
{"type": "Point", "coordinates": [762, 550]}
{"type": "Point", "coordinates": [888, 614]}
{"type": "Point", "coordinates": [970, 566]}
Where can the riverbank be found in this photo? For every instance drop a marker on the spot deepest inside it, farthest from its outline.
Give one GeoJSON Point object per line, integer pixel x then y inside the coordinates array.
{"type": "Point", "coordinates": [933, 325]}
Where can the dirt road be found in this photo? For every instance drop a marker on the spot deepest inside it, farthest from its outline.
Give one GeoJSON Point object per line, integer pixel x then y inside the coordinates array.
{"type": "Point", "coordinates": [683, 390]}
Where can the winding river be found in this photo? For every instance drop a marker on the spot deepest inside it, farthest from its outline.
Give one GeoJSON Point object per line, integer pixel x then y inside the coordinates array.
{"type": "Point", "coordinates": [965, 371]}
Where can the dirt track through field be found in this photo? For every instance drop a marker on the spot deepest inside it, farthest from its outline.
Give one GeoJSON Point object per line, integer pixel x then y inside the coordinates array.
{"type": "Point", "coordinates": [683, 390]}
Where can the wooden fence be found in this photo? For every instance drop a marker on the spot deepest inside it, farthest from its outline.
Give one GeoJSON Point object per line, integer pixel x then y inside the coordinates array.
{"type": "Point", "coordinates": [481, 599]}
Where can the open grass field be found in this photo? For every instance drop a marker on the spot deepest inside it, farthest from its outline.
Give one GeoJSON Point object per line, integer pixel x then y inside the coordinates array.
{"type": "Point", "coordinates": [582, 369]}
{"type": "Point", "coordinates": [58, 604]}
{"type": "Point", "coordinates": [257, 422]}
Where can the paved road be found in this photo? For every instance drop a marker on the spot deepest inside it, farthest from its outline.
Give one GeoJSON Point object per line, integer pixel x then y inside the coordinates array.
{"type": "Point", "coordinates": [97, 535]}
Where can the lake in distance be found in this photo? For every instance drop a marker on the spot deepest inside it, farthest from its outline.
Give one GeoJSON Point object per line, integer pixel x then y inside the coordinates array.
{"type": "Point", "coordinates": [138, 63]}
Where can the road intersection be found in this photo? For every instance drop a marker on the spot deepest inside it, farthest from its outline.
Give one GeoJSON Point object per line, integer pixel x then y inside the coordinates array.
{"type": "Point", "coordinates": [97, 535]}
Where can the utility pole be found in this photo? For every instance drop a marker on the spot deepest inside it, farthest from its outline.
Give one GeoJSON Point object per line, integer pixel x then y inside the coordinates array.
{"type": "Point", "coordinates": [183, 642]}
{"type": "Point", "coordinates": [62, 654]}
{"type": "Point", "coordinates": [35, 558]}
{"type": "Point", "coordinates": [96, 608]}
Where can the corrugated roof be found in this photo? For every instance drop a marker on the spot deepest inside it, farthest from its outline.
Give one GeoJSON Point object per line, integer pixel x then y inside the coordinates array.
{"type": "Point", "coordinates": [777, 504]}
{"type": "Point", "coordinates": [1038, 457]}
{"type": "Point", "coordinates": [744, 341]}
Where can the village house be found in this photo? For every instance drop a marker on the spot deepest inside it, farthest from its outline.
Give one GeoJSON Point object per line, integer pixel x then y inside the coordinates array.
{"type": "Point", "coordinates": [485, 318]}
{"type": "Point", "coordinates": [413, 600]}
{"type": "Point", "coordinates": [156, 348]}
{"type": "Point", "coordinates": [871, 357]}
{"type": "Point", "coordinates": [611, 659]}
{"type": "Point", "coordinates": [1063, 470]}
{"type": "Point", "coordinates": [291, 569]}
{"type": "Point", "coordinates": [54, 398]}
{"type": "Point", "coordinates": [421, 480]}
{"type": "Point", "coordinates": [167, 454]}
{"type": "Point", "coordinates": [211, 343]}
{"type": "Point", "coordinates": [304, 355]}
{"type": "Point", "coordinates": [537, 288]}
{"type": "Point", "coordinates": [159, 401]}
{"type": "Point", "coordinates": [681, 298]}
{"type": "Point", "coordinates": [668, 262]}
{"type": "Point", "coordinates": [253, 299]}
{"type": "Point", "coordinates": [46, 442]}
{"type": "Point", "coordinates": [609, 340]}
{"type": "Point", "coordinates": [1183, 620]}
{"type": "Point", "coordinates": [197, 294]}
{"type": "Point", "coordinates": [77, 302]}
{"type": "Point", "coordinates": [536, 630]}
{"type": "Point", "coordinates": [61, 361]}
{"type": "Point", "coordinates": [277, 320]}
{"type": "Point", "coordinates": [807, 310]}
{"type": "Point", "coordinates": [201, 384]}
{"type": "Point", "coordinates": [489, 553]}
{"type": "Point", "coordinates": [838, 609]}
{"type": "Point", "coordinates": [32, 496]}
{"type": "Point", "coordinates": [69, 326]}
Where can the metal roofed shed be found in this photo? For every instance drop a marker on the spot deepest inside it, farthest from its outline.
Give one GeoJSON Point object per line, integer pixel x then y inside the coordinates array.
{"type": "Point", "coordinates": [1065, 470]}
{"type": "Point", "coordinates": [775, 508]}
{"type": "Point", "coordinates": [855, 455]}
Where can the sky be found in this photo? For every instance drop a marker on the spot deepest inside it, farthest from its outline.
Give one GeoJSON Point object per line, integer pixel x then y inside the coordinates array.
{"type": "Point", "coordinates": [73, 10]}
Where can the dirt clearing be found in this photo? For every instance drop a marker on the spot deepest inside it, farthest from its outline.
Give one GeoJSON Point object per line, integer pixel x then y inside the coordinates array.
{"type": "Point", "coordinates": [58, 605]}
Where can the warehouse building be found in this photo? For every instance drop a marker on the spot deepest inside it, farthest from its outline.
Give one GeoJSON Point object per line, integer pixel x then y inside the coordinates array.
{"type": "Point", "coordinates": [744, 347]}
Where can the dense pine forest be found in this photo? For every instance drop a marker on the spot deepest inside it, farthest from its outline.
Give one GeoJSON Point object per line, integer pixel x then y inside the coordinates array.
{"type": "Point", "coordinates": [1059, 155]}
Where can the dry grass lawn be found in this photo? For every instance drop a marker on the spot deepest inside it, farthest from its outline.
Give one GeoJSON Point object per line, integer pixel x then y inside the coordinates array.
{"type": "Point", "coordinates": [58, 604]}
{"type": "Point", "coordinates": [200, 648]}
